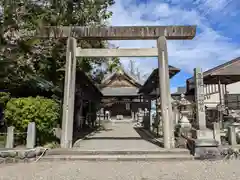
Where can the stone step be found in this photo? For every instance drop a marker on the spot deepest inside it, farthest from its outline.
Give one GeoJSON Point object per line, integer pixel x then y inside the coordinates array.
{"type": "Point", "coordinates": [156, 157]}
{"type": "Point", "coordinates": [176, 151]}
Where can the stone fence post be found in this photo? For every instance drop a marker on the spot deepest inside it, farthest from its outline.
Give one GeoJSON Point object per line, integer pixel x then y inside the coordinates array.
{"type": "Point", "coordinates": [31, 135]}
{"type": "Point", "coordinates": [232, 135]}
{"type": "Point", "coordinates": [10, 137]}
{"type": "Point", "coordinates": [217, 132]}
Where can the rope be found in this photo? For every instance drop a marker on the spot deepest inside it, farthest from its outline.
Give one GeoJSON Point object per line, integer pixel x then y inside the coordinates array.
{"type": "Point", "coordinates": [41, 155]}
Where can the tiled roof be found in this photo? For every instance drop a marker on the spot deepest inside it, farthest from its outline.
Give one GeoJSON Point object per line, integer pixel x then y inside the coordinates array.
{"type": "Point", "coordinates": [230, 68]}
{"type": "Point", "coordinates": [152, 82]}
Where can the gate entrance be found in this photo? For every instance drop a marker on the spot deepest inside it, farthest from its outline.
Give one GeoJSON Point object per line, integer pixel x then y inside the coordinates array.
{"type": "Point", "coordinates": [159, 33]}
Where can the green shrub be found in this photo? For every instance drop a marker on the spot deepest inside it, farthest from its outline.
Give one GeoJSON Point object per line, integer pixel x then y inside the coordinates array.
{"type": "Point", "coordinates": [44, 112]}
{"type": "Point", "coordinates": [4, 98]}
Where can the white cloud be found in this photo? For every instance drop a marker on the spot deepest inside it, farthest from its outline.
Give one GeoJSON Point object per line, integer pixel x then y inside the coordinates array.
{"type": "Point", "coordinates": [209, 48]}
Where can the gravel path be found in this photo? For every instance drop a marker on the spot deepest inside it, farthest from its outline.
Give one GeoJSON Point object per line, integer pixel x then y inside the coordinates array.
{"type": "Point", "coordinates": [194, 170]}
{"type": "Point", "coordinates": [116, 136]}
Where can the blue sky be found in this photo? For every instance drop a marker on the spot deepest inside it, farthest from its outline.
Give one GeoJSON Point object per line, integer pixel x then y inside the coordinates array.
{"type": "Point", "coordinates": [217, 39]}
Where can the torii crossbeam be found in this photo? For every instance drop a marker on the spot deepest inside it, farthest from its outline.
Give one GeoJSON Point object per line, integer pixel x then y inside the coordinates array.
{"type": "Point", "coordinates": [159, 33]}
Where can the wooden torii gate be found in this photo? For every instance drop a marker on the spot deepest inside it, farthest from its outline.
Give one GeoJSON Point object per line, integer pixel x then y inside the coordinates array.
{"type": "Point", "coordinates": [159, 33]}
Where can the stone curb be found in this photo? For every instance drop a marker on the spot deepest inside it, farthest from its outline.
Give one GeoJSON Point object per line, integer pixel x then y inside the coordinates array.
{"type": "Point", "coordinates": [21, 155]}
{"type": "Point", "coordinates": [117, 158]}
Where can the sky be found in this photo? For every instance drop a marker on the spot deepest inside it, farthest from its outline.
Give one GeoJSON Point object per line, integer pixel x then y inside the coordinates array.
{"type": "Point", "coordinates": [217, 39]}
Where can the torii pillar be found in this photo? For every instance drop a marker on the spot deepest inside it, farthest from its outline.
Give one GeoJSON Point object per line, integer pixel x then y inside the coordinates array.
{"type": "Point", "coordinates": [69, 94]}
{"type": "Point", "coordinates": [165, 95]}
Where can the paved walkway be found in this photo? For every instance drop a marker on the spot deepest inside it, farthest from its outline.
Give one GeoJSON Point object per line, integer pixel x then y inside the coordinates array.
{"type": "Point", "coordinates": [117, 136]}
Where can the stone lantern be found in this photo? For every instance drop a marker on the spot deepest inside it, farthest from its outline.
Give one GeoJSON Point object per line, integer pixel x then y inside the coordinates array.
{"type": "Point", "coordinates": [234, 115]}
{"type": "Point", "coordinates": [184, 112]}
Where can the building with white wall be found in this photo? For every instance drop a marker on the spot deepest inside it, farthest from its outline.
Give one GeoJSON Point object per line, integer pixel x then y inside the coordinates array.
{"type": "Point", "coordinates": [224, 78]}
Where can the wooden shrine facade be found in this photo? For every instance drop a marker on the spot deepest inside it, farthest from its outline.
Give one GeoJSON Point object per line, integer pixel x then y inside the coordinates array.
{"type": "Point", "coordinates": [120, 94]}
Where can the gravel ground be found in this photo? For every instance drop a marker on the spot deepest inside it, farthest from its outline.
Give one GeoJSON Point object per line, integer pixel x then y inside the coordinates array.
{"type": "Point", "coordinates": [190, 170]}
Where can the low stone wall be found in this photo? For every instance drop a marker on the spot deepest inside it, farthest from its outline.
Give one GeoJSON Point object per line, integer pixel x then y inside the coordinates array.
{"type": "Point", "coordinates": [21, 155]}
{"type": "Point", "coordinates": [217, 153]}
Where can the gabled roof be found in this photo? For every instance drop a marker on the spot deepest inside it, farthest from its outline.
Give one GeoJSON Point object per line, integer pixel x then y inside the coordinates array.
{"type": "Point", "coordinates": [228, 73]}
{"type": "Point", "coordinates": [152, 82]}
{"type": "Point", "coordinates": [85, 82]}
{"type": "Point", "coordinates": [120, 71]}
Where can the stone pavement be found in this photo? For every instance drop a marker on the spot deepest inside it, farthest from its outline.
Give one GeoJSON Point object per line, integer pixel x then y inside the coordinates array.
{"type": "Point", "coordinates": [117, 136]}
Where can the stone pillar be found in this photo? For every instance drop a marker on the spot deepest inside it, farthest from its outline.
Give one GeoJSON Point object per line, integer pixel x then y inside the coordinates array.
{"type": "Point", "coordinates": [57, 131]}
{"type": "Point", "coordinates": [232, 135]}
{"type": "Point", "coordinates": [204, 136]}
{"type": "Point", "coordinates": [217, 132]}
{"type": "Point", "coordinates": [132, 114]}
{"type": "Point", "coordinates": [165, 96]}
{"type": "Point", "coordinates": [69, 94]}
{"type": "Point", "coordinates": [31, 135]}
{"type": "Point", "coordinates": [199, 98]}
{"type": "Point", "coordinates": [10, 137]}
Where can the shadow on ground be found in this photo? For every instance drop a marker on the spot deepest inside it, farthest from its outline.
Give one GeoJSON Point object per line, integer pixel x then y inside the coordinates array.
{"type": "Point", "coordinates": [82, 133]}
{"type": "Point", "coordinates": [146, 137]}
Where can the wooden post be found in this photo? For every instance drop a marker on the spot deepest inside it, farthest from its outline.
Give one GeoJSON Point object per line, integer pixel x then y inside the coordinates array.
{"type": "Point", "coordinates": [166, 107]}
{"type": "Point", "coordinates": [221, 99]}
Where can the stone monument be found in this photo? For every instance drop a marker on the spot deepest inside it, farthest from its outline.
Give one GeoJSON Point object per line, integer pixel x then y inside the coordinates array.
{"type": "Point", "coordinates": [205, 141]}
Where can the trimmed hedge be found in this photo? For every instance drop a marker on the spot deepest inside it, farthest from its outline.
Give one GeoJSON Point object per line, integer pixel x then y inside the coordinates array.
{"type": "Point", "coordinates": [44, 112]}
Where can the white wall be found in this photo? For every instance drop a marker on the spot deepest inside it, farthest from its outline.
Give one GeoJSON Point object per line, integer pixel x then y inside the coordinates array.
{"type": "Point", "coordinates": [234, 88]}
{"type": "Point", "coordinates": [212, 98]}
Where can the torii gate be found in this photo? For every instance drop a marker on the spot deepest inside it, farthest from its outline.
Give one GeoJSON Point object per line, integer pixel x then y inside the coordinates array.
{"type": "Point", "coordinates": [159, 33]}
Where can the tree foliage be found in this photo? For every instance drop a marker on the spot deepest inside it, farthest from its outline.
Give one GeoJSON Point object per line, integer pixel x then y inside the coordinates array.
{"type": "Point", "coordinates": [30, 60]}
{"type": "Point", "coordinates": [4, 98]}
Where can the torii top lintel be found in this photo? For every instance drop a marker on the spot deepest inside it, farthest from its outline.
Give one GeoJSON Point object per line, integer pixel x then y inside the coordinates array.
{"type": "Point", "coordinates": [120, 32]}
